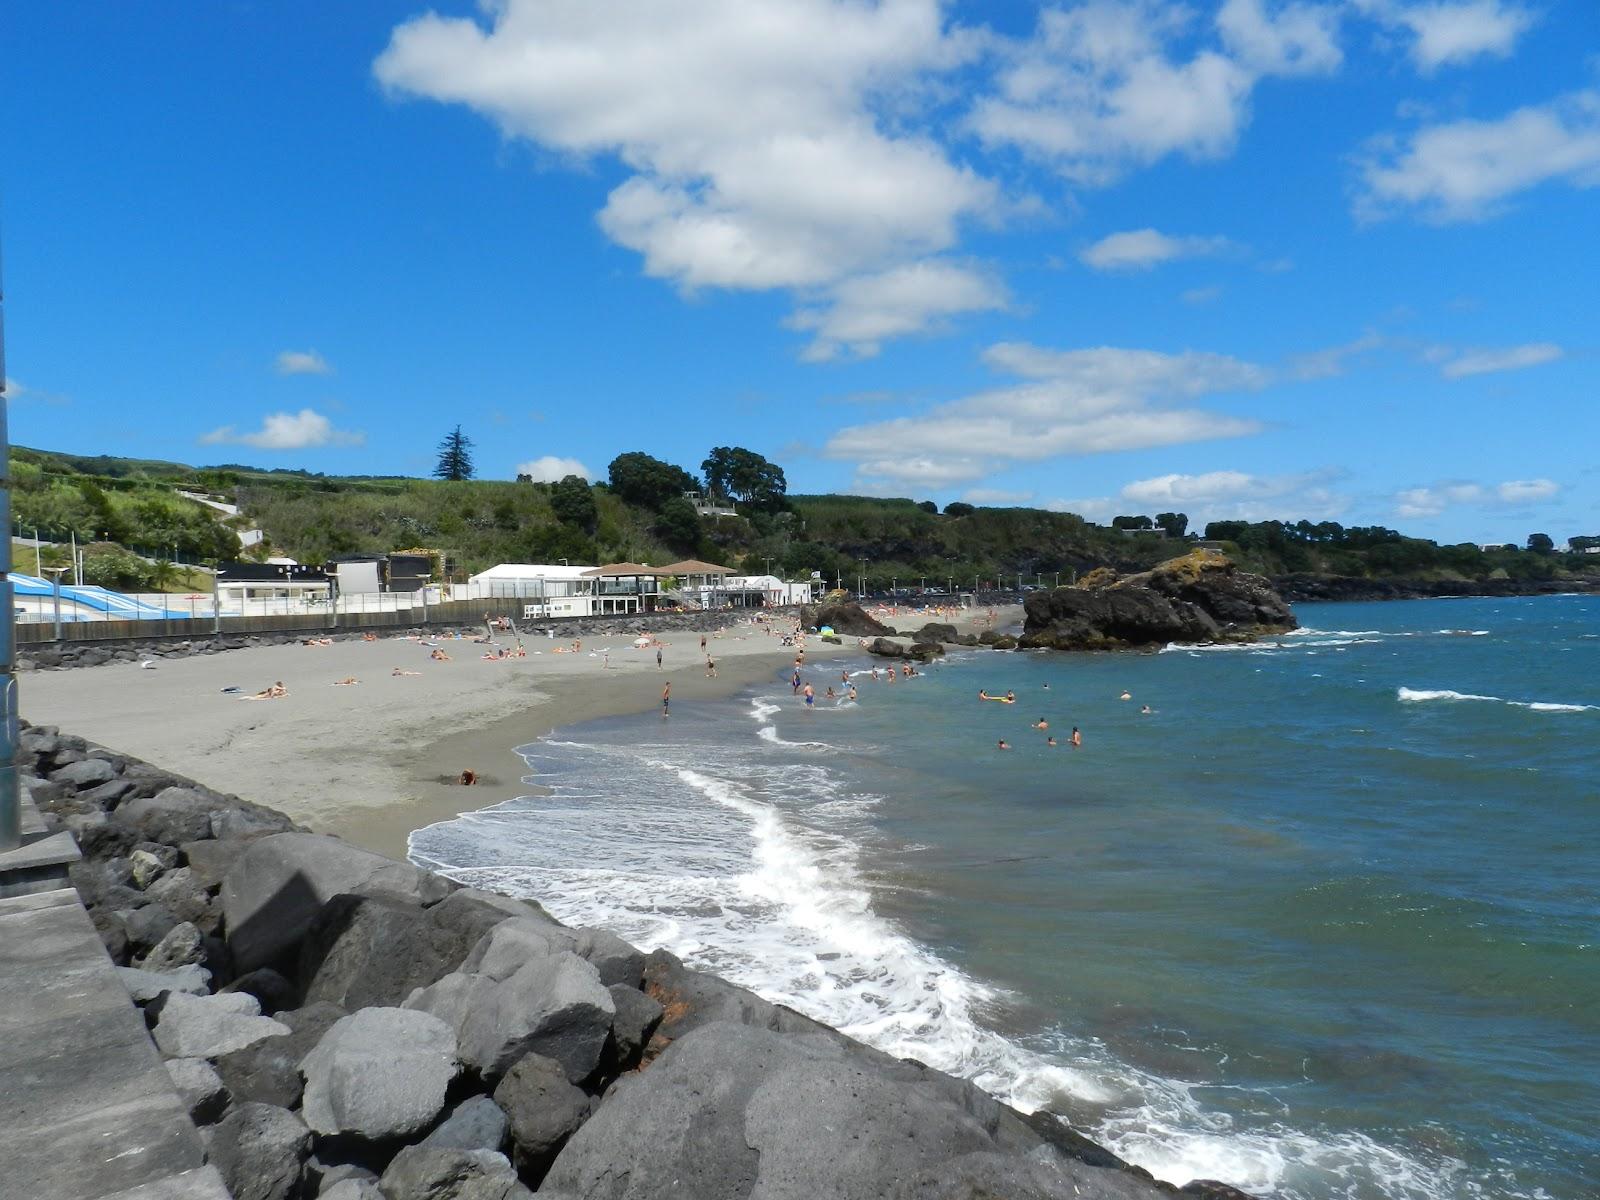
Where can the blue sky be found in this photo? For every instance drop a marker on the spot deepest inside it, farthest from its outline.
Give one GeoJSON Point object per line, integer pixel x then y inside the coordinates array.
{"type": "Point", "coordinates": [1337, 259]}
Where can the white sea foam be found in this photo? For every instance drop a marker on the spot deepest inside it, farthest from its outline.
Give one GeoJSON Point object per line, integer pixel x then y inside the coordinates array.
{"type": "Point", "coordinates": [1419, 696]}
{"type": "Point", "coordinates": [753, 868]}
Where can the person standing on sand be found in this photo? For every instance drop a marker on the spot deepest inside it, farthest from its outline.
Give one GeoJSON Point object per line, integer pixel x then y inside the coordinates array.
{"type": "Point", "coordinates": [666, 701]}
{"type": "Point", "coordinates": [702, 643]}
{"type": "Point", "coordinates": [658, 658]}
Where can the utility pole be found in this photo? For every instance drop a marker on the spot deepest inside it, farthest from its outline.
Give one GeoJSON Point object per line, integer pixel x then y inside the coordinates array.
{"type": "Point", "coordinates": [10, 795]}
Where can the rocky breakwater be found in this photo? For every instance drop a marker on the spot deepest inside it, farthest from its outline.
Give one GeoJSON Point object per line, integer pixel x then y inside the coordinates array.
{"type": "Point", "coordinates": [349, 1027]}
{"type": "Point", "coordinates": [844, 616]}
{"type": "Point", "coordinates": [1200, 597]}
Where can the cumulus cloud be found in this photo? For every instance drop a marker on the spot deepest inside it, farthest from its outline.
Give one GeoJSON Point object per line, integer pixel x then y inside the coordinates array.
{"type": "Point", "coordinates": [1068, 402]}
{"type": "Point", "coordinates": [16, 390]}
{"type": "Point", "coordinates": [302, 362]}
{"type": "Point", "coordinates": [1142, 249]}
{"type": "Point", "coordinates": [286, 431]}
{"type": "Point", "coordinates": [550, 469]}
{"type": "Point", "coordinates": [1451, 33]}
{"type": "Point", "coordinates": [1222, 495]}
{"type": "Point", "coordinates": [861, 312]}
{"type": "Point", "coordinates": [1468, 170]}
{"type": "Point", "coordinates": [1109, 85]}
{"type": "Point", "coordinates": [1423, 502]}
{"type": "Point", "coordinates": [1458, 364]}
{"type": "Point", "coordinates": [770, 144]}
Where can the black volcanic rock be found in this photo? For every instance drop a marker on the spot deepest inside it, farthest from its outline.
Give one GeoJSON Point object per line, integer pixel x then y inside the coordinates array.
{"type": "Point", "coordinates": [845, 617]}
{"type": "Point", "coordinates": [1201, 597]}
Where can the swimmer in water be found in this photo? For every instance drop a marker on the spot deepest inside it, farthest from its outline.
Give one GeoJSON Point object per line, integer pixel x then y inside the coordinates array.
{"type": "Point", "coordinates": [1125, 696]}
{"type": "Point", "coordinates": [1146, 711]}
{"type": "Point", "coordinates": [1050, 741]}
{"type": "Point", "coordinates": [1041, 723]}
{"type": "Point", "coordinates": [811, 697]}
{"type": "Point", "coordinates": [1077, 738]}
{"type": "Point", "coordinates": [830, 694]}
{"type": "Point", "coordinates": [852, 693]}
{"type": "Point", "coordinates": [1003, 745]}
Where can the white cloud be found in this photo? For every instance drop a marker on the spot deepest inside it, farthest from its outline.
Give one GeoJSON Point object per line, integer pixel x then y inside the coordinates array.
{"type": "Point", "coordinates": [1202, 295]}
{"type": "Point", "coordinates": [1467, 170]}
{"type": "Point", "coordinates": [863, 311]}
{"type": "Point", "coordinates": [16, 390]}
{"type": "Point", "coordinates": [1070, 402]}
{"type": "Point", "coordinates": [771, 144]}
{"type": "Point", "coordinates": [1332, 361]}
{"type": "Point", "coordinates": [1462, 363]}
{"type": "Point", "coordinates": [1424, 502]}
{"type": "Point", "coordinates": [1527, 491]}
{"type": "Point", "coordinates": [302, 362]}
{"type": "Point", "coordinates": [1222, 495]}
{"type": "Point", "coordinates": [550, 469]}
{"type": "Point", "coordinates": [1104, 86]}
{"type": "Point", "coordinates": [1450, 33]}
{"type": "Point", "coordinates": [286, 431]}
{"type": "Point", "coordinates": [1142, 249]}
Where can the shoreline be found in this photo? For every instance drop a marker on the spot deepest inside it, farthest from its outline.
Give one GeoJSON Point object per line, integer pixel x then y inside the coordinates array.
{"type": "Point", "coordinates": [374, 762]}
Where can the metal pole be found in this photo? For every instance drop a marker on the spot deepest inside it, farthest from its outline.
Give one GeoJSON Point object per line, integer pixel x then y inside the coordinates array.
{"type": "Point", "coordinates": [57, 571]}
{"type": "Point", "coordinates": [216, 599]}
{"type": "Point", "coordinates": [10, 793]}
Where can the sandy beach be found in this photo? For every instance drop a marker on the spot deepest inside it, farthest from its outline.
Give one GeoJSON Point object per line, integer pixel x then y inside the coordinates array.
{"type": "Point", "coordinates": [373, 761]}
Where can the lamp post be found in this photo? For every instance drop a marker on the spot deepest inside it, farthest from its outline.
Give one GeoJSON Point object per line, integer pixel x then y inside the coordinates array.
{"type": "Point", "coordinates": [10, 794]}
{"type": "Point", "coordinates": [56, 574]}
{"type": "Point", "coordinates": [216, 597]}
{"type": "Point", "coordinates": [427, 575]}
{"type": "Point", "coordinates": [861, 581]}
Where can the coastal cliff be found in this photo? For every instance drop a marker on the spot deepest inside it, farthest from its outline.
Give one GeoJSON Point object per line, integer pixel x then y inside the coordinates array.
{"type": "Point", "coordinates": [343, 1025]}
{"type": "Point", "coordinates": [1200, 597]}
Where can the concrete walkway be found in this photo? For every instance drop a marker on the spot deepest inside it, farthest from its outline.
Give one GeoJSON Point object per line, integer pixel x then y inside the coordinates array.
{"type": "Point", "coordinates": [90, 1112]}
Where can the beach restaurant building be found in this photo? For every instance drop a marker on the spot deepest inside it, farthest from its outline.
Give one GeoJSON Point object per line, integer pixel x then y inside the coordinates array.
{"type": "Point", "coordinates": [573, 589]}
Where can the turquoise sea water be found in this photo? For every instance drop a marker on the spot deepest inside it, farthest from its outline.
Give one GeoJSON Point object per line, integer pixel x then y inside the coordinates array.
{"type": "Point", "coordinates": [1326, 923]}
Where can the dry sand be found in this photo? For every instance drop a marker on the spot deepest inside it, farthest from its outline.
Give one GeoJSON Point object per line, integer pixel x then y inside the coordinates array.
{"type": "Point", "coordinates": [374, 761]}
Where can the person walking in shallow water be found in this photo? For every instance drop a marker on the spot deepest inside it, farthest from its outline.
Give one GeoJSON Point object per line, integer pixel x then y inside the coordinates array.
{"type": "Point", "coordinates": [666, 701]}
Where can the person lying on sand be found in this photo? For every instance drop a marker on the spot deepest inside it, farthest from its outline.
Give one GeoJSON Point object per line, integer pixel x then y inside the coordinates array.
{"type": "Point", "coordinates": [400, 671]}
{"type": "Point", "coordinates": [347, 681]}
{"type": "Point", "coordinates": [468, 778]}
{"type": "Point", "coordinates": [316, 641]}
{"type": "Point", "coordinates": [369, 637]}
{"type": "Point", "coordinates": [438, 655]}
{"type": "Point", "coordinates": [270, 693]}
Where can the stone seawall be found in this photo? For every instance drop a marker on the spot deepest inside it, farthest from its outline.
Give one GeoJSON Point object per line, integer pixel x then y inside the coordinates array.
{"type": "Point", "coordinates": [345, 1026]}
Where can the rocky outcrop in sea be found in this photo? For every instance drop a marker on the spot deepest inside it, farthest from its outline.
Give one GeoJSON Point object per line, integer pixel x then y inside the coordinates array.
{"type": "Point", "coordinates": [1200, 597]}
{"type": "Point", "coordinates": [349, 1027]}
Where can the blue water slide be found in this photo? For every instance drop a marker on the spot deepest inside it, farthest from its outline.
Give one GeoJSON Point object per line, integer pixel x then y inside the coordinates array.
{"type": "Point", "coordinates": [114, 605]}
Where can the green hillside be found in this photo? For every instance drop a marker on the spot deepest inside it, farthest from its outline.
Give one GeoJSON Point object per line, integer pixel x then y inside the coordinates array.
{"type": "Point", "coordinates": [122, 508]}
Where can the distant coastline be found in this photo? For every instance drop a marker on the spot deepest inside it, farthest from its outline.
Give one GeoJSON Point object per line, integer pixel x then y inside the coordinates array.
{"type": "Point", "coordinates": [1299, 588]}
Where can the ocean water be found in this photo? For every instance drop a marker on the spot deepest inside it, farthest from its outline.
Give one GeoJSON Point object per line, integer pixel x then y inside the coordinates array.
{"type": "Point", "coordinates": [1325, 923]}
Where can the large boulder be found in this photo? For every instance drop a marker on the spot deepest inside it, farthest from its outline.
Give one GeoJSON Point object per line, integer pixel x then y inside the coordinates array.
{"type": "Point", "coordinates": [201, 1088]}
{"type": "Point", "coordinates": [1200, 597]}
{"type": "Point", "coordinates": [209, 1026]}
{"type": "Point", "coordinates": [88, 773]}
{"type": "Point", "coordinates": [145, 985]}
{"type": "Point", "coordinates": [554, 1005]}
{"type": "Point", "coordinates": [731, 1111]}
{"type": "Point", "coordinates": [477, 1123]}
{"type": "Point", "coordinates": [363, 951]}
{"type": "Point", "coordinates": [172, 815]}
{"type": "Point", "coordinates": [429, 1173]}
{"type": "Point", "coordinates": [260, 1150]}
{"type": "Point", "coordinates": [380, 1073]}
{"type": "Point", "coordinates": [844, 616]}
{"type": "Point", "coordinates": [269, 1070]}
{"type": "Point", "coordinates": [180, 947]}
{"type": "Point", "coordinates": [635, 1022]}
{"type": "Point", "coordinates": [690, 998]}
{"type": "Point", "coordinates": [545, 1110]}
{"type": "Point", "coordinates": [275, 889]}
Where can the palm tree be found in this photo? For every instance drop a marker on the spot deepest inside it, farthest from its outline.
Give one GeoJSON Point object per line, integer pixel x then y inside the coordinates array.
{"type": "Point", "coordinates": [163, 575]}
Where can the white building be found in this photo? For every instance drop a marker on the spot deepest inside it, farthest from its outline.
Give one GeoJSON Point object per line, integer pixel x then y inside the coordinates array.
{"type": "Point", "coordinates": [751, 591]}
{"type": "Point", "coordinates": [553, 589]}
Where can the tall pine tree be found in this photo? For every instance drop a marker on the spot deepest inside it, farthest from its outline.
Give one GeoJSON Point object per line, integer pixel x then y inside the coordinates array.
{"type": "Point", "coordinates": [455, 456]}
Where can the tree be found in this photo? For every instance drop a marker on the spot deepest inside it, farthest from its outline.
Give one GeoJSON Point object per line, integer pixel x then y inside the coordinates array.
{"type": "Point", "coordinates": [928, 506]}
{"type": "Point", "coordinates": [678, 524]}
{"type": "Point", "coordinates": [649, 482]}
{"type": "Point", "coordinates": [1132, 523]}
{"type": "Point", "coordinates": [1176, 524]}
{"type": "Point", "coordinates": [573, 502]}
{"type": "Point", "coordinates": [455, 457]}
{"type": "Point", "coordinates": [1580, 544]}
{"type": "Point", "coordinates": [744, 476]}
{"type": "Point", "coordinates": [959, 508]}
{"type": "Point", "coordinates": [1541, 543]}
{"type": "Point", "coordinates": [1225, 531]}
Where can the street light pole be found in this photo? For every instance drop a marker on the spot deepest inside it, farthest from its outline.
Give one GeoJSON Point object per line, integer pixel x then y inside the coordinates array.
{"type": "Point", "coordinates": [57, 572]}
{"type": "Point", "coordinates": [10, 785]}
{"type": "Point", "coordinates": [425, 579]}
